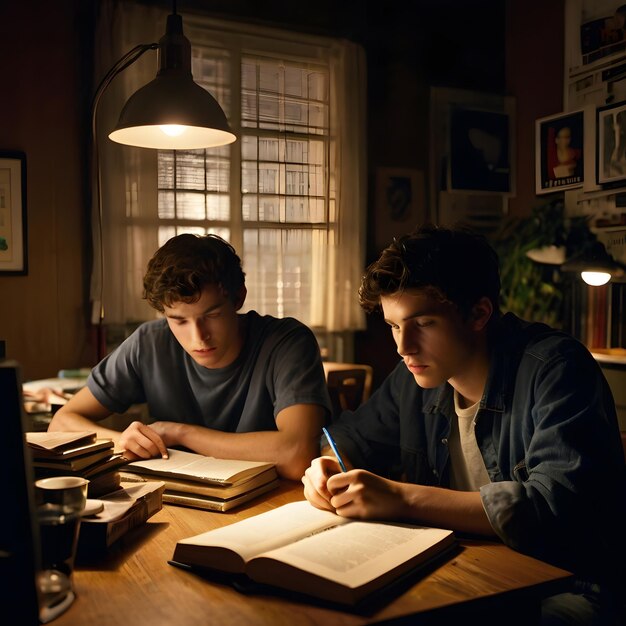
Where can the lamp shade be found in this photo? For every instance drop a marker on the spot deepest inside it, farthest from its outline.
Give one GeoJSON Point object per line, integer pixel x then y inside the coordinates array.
{"type": "Point", "coordinates": [172, 111]}
{"type": "Point", "coordinates": [596, 265]}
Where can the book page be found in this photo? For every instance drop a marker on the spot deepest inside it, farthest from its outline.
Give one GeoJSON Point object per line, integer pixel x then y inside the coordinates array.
{"type": "Point", "coordinates": [200, 467]}
{"type": "Point", "coordinates": [358, 552]}
{"type": "Point", "coordinates": [263, 532]}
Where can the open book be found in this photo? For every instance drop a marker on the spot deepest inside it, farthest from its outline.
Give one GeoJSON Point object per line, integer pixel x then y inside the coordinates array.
{"type": "Point", "coordinates": [203, 482]}
{"type": "Point", "coordinates": [199, 468]}
{"type": "Point", "coordinates": [306, 550]}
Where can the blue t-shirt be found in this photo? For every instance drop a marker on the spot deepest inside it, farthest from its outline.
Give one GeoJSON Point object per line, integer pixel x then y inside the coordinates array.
{"type": "Point", "coordinates": [279, 366]}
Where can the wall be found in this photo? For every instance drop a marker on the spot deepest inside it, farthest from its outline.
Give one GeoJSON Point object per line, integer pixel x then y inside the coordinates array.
{"type": "Point", "coordinates": [42, 316]}
{"type": "Point", "coordinates": [44, 58]}
{"type": "Point", "coordinates": [534, 75]}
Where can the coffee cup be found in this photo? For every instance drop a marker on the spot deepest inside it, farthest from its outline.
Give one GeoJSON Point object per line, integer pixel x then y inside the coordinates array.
{"type": "Point", "coordinates": [60, 501]}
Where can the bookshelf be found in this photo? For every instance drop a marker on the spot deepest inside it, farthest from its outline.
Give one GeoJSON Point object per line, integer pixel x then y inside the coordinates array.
{"type": "Point", "coordinates": [597, 317]}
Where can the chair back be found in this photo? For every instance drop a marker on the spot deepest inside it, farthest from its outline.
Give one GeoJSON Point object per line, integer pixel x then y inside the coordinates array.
{"type": "Point", "coordinates": [349, 384]}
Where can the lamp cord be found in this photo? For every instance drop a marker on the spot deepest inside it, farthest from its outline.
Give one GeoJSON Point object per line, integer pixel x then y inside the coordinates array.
{"type": "Point", "coordinates": [128, 59]}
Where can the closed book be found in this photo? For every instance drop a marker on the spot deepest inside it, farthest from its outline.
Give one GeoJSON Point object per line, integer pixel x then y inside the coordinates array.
{"type": "Point", "coordinates": [302, 549]}
{"type": "Point", "coordinates": [74, 463]}
{"type": "Point", "coordinates": [58, 441]}
{"type": "Point", "coordinates": [218, 492]}
{"type": "Point", "coordinates": [209, 503]}
{"type": "Point", "coordinates": [70, 452]}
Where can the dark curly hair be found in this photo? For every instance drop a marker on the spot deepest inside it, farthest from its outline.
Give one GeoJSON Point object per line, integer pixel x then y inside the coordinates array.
{"type": "Point", "coordinates": [455, 264]}
{"type": "Point", "coordinates": [185, 264]}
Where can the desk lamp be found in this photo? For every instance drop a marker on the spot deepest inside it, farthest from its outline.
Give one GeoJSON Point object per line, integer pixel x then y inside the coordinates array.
{"type": "Point", "coordinates": [171, 112]}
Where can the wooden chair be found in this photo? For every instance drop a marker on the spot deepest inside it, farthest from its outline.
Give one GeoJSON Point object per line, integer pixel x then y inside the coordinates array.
{"type": "Point", "coordinates": [349, 384]}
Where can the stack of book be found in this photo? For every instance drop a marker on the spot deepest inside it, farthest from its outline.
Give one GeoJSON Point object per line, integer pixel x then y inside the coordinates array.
{"type": "Point", "coordinates": [76, 454]}
{"type": "Point", "coordinates": [205, 482]}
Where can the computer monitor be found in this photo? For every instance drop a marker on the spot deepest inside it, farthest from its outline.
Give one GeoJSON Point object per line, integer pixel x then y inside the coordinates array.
{"type": "Point", "coordinates": [19, 533]}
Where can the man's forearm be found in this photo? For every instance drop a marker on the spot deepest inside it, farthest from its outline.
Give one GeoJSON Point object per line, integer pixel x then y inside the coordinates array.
{"type": "Point", "coordinates": [457, 510]}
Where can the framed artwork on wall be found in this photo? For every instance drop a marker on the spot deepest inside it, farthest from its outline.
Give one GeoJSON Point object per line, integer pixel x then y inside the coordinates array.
{"type": "Point", "coordinates": [611, 144]}
{"type": "Point", "coordinates": [400, 203]}
{"type": "Point", "coordinates": [559, 152]}
{"type": "Point", "coordinates": [13, 241]}
{"type": "Point", "coordinates": [471, 157]}
{"type": "Point", "coordinates": [480, 151]}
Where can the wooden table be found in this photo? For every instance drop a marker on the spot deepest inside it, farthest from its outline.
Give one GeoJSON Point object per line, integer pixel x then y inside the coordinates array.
{"type": "Point", "coordinates": [133, 584]}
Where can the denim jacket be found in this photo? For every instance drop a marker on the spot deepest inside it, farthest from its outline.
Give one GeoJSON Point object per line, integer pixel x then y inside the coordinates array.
{"type": "Point", "coordinates": [547, 430]}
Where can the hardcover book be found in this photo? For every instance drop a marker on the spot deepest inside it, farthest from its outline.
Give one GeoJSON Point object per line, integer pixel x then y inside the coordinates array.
{"type": "Point", "coordinates": [317, 553]}
{"type": "Point", "coordinates": [204, 482]}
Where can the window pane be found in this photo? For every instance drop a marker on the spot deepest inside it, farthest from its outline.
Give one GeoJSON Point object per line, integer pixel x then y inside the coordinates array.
{"type": "Point", "coordinates": [211, 69]}
{"type": "Point", "coordinates": [248, 177]}
{"type": "Point", "coordinates": [250, 207]}
{"type": "Point", "coordinates": [166, 170]}
{"type": "Point", "coordinates": [296, 82]}
{"type": "Point", "coordinates": [297, 180]}
{"type": "Point", "coordinates": [190, 170]}
{"type": "Point", "coordinates": [249, 149]}
{"type": "Point", "coordinates": [218, 207]}
{"type": "Point", "coordinates": [268, 149]}
{"type": "Point", "coordinates": [167, 206]}
{"type": "Point", "coordinates": [318, 86]}
{"type": "Point", "coordinates": [165, 233]}
{"type": "Point", "coordinates": [279, 271]}
{"type": "Point", "coordinates": [217, 174]}
{"type": "Point", "coordinates": [269, 178]}
{"type": "Point", "coordinates": [269, 209]}
{"type": "Point", "coordinates": [190, 206]}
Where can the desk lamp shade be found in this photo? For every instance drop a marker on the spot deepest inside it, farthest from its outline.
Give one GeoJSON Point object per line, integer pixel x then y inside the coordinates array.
{"type": "Point", "coordinates": [596, 265]}
{"type": "Point", "coordinates": [172, 111]}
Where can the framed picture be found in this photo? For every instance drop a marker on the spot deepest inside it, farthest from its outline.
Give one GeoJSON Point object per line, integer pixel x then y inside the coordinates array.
{"type": "Point", "coordinates": [480, 151]}
{"type": "Point", "coordinates": [13, 243]}
{"type": "Point", "coordinates": [611, 144]}
{"type": "Point", "coordinates": [400, 203]}
{"type": "Point", "coordinates": [559, 154]}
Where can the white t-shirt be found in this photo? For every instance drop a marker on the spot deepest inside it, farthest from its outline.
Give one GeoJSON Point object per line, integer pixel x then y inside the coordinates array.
{"type": "Point", "coordinates": [467, 467]}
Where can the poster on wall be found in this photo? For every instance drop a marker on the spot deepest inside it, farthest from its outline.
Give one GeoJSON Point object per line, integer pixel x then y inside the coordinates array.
{"type": "Point", "coordinates": [611, 144]}
{"type": "Point", "coordinates": [559, 155]}
{"type": "Point", "coordinates": [480, 151]}
{"type": "Point", "coordinates": [13, 249]}
{"type": "Point", "coordinates": [400, 203]}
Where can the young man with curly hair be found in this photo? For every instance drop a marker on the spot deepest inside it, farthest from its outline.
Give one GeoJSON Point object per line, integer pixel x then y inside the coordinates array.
{"type": "Point", "coordinates": [488, 425]}
{"type": "Point", "coordinates": [217, 382]}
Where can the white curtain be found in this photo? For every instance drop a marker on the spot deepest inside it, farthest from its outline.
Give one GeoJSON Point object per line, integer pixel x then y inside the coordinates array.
{"type": "Point", "coordinates": [129, 175]}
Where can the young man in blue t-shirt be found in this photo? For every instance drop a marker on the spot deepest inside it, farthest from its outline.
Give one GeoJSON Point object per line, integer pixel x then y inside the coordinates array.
{"type": "Point", "coordinates": [215, 381]}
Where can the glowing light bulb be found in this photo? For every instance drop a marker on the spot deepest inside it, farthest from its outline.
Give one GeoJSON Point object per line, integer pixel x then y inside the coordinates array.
{"type": "Point", "coordinates": [173, 130]}
{"type": "Point", "coordinates": [596, 278]}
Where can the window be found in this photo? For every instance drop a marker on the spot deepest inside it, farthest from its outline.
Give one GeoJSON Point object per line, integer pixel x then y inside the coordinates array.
{"type": "Point", "coordinates": [289, 194]}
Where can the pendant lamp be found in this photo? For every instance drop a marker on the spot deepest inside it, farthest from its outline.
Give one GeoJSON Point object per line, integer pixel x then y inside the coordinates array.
{"type": "Point", "coordinates": [172, 111]}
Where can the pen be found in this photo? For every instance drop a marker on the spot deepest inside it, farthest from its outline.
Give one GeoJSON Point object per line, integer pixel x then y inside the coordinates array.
{"type": "Point", "coordinates": [333, 445]}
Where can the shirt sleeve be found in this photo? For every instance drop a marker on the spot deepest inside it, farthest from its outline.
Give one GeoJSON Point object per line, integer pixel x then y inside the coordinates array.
{"type": "Point", "coordinates": [295, 374]}
{"type": "Point", "coordinates": [116, 381]}
{"type": "Point", "coordinates": [570, 476]}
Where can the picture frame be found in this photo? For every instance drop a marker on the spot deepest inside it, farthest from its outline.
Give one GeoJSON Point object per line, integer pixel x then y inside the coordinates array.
{"type": "Point", "coordinates": [559, 152]}
{"type": "Point", "coordinates": [400, 203]}
{"type": "Point", "coordinates": [13, 231]}
{"type": "Point", "coordinates": [480, 154]}
{"type": "Point", "coordinates": [611, 144]}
